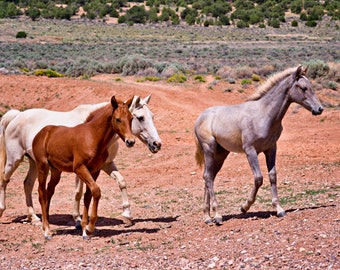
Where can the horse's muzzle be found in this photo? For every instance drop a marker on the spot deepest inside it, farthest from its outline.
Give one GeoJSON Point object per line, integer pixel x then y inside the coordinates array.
{"type": "Point", "coordinates": [318, 111]}
{"type": "Point", "coordinates": [155, 147]}
{"type": "Point", "coordinates": [129, 143]}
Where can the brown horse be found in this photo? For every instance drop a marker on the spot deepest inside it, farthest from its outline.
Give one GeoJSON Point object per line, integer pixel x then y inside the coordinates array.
{"type": "Point", "coordinates": [82, 149]}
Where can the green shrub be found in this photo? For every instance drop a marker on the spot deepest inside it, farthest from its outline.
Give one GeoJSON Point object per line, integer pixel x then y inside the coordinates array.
{"type": "Point", "coordinates": [177, 78]}
{"type": "Point", "coordinates": [295, 23]}
{"type": "Point", "coordinates": [21, 34]}
{"type": "Point", "coordinates": [199, 78]}
{"type": "Point", "coordinates": [152, 78]}
{"type": "Point", "coordinates": [242, 24]}
{"type": "Point", "coordinates": [255, 78]}
{"type": "Point", "coordinates": [47, 72]}
{"type": "Point", "coordinates": [274, 22]}
{"type": "Point", "coordinates": [245, 81]}
{"type": "Point", "coordinates": [332, 85]}
{"type": "Point", "coordinates": [317, 68]}
{"type": "Point", "coordinates": [311, 23]}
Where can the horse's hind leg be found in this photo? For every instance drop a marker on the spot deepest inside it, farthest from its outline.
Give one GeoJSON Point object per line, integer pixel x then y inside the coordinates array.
{"type": "Point", "coordinates": [54, 181]}
{"type": "Point", "coordinates": [258, 178]}
{"type": "Point", "coordinates": [270, 160]}
{"type": "Point", "coordinates": [43, 199]}
{"type": "Point", "coordinates": [28, 187]}
{"type": "Point", "coordinates": [214, 157]}
{"type": "Point", "coordinates": [111, 169]}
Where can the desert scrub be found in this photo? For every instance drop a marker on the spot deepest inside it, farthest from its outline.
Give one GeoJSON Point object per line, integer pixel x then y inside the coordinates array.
{"type": "Point", "coordinates": [152, 78]}
{"type": "Point", "coordinates": [332, 85]}
{"type": "Point", "coordinates": [199, 78]}
{"type": "Point", "coordinates": [149, 78]}
{"type": "Point", "coordinates": [255, 78]}
{"type": "Point", "coordinates": [177, 78]}
{"type": "Point", "coordinates": [47, 72]}
{"type": "Point", "coordinates": [245, 82]}
{"type": "Point", "coordinates": [316, 68]}
{"type": "Point", "coordinates": [132, 64]}
{"type": "Point", "coordinates": [21, 34]}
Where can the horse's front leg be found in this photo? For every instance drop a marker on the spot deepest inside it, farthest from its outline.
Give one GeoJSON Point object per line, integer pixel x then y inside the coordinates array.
{"type": "Point", "coordinates": [92, 190]}
{"type": "Point", "coordinates": [270, 160]}
{"type": "Point", "coordinates": [258, 178]}
{"type": "Point", "coordinates": [43, 199]}
{"type": "Point", "coordinates": [111, 169]}
{"type": "Point", "coordinates": [28, 187]}
{"type": "Point", "coordinates": [79, 187]}
{"type": "Point", "coordinates": [9, 164]}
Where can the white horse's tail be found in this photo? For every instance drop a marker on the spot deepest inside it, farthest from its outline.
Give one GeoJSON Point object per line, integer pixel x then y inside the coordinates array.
{"type": "Point", "coordinates": [199, 156]}
{"type": "Point", "coordinates": [5, 120]}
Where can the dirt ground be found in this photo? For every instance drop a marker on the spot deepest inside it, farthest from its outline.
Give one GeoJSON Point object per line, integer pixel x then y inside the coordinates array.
{"type": "Point", "coordinates": [166, 189]}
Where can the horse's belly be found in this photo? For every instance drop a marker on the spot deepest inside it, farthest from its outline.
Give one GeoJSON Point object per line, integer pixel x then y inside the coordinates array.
{"type": "Point", "coordinates": [232, 144]}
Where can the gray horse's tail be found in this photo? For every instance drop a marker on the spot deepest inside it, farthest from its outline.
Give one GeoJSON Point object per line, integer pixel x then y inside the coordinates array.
{"type": "Point", "coordinates": [5, 120]}
{"type": "Point", "coordinates": [199, 156]}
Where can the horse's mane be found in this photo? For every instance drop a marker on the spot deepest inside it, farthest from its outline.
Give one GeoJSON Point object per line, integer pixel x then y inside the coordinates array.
{"type": "Point", "coordinates": [270, 82]}
{"type": "Point", "coordinates": [98, 112]}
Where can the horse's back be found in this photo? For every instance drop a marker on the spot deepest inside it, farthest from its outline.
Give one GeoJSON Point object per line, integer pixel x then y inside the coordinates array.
{"type": "Point", "coordinates": [23, 128]}
{"type": "Point", "coordinates": [221, 124]}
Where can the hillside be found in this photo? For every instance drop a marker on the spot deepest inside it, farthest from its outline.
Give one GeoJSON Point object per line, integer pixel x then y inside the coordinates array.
{"type": "Point", "coordinates": [219, 12]}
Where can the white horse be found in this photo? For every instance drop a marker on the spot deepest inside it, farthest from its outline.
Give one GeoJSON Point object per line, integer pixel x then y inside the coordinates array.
{"type": "Point", "coordinates": [18, 129]}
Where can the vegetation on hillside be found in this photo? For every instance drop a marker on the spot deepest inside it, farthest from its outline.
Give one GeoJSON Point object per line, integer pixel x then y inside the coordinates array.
{"type": "Point", "coordinates": [241, 13]}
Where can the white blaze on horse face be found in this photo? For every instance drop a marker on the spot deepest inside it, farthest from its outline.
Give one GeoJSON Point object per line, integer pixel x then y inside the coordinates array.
{"type": "Point", "coordinates": [143, 127]}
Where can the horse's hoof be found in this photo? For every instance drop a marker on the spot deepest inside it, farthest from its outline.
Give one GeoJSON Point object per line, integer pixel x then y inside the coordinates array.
{"type": "Point", "coordinates": [281, 214]}
{"type": "Point", "coordinates": [127, 221]}
{"type": "Point", "coordinates": [218, 221]}
{"type": "Point", "coordinates": [86, 237]}
{"type": "Point", "coordinates": [36, 222]}
{"type": "Point", "coordinates": [209, 222]}
{"type": "Point", "coordinates": [78, 225]}
{"type": "Point", "coordinates": [48, 237]}
{"type": "Point", "coordinates": [243, 210]}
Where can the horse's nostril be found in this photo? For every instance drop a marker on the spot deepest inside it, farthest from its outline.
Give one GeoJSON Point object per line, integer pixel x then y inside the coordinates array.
{"type": "Point", "coordinates": [157, 144]}
{"type": "Point", "coordinates": [320, 109]}
{"type": "Point", "coordinates": [130, 143]}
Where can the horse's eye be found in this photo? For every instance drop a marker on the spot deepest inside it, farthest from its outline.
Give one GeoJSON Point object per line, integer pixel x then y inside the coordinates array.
{"type": "Point", "coordinates": [303, 88]}
{"type": "Point", "coordinates": [140, 118]}
{"type": "Point", "coordinates": [118, 120]}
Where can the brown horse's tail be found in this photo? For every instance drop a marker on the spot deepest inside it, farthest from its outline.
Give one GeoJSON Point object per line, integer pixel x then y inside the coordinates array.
{"type": "Point", "coordinates": [5, 120]}
{"type": "Point", "coordinates": [199, 156]}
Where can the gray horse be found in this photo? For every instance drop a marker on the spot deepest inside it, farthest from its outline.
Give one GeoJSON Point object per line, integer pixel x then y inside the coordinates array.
{"type": "Point", "coordinates": [251, 128]}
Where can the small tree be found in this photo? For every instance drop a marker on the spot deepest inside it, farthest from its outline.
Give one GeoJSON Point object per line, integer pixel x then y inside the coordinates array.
{"type": "Point", "coordinates": [21, 34]}
{"type": "Point", "coordinates": [33, 13]}
{"type": "Point", "coordinates": [295, 23]}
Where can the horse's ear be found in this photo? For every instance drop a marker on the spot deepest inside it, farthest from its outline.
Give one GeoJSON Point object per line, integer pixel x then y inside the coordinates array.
{"type": "Point", "coordinates": [147, 99]}
{"type": "Point", "coordinates": [298, 73]}
{"type": "Point", "coordinates": [306, 70]}
{"type": "Point", "coordinates": [129, 102]}
{"type": "Point", "coordinates": [114, 102]}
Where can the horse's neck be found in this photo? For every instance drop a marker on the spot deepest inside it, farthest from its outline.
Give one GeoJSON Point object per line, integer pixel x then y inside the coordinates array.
{"type": "Point", "coordinates": [276, 101]}
{"type": "Point", "coordinates": [101, 125]}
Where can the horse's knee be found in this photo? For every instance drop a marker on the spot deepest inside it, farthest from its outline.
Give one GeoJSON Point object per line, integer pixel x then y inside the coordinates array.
{"type": "Point", "coordinates": [119, 179]}
{"type": "Point", "coordinates": [96, 192]}
{"type": "Point", "coordinates": [258, 180]}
